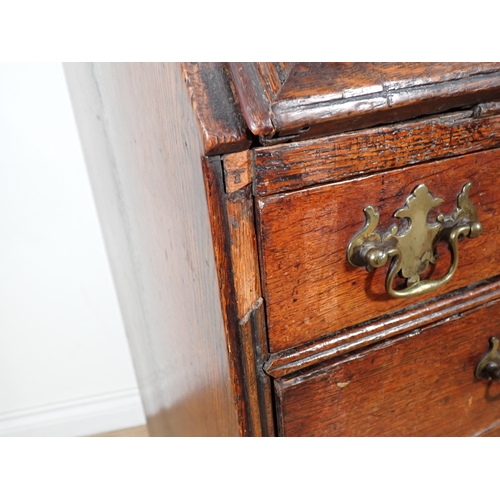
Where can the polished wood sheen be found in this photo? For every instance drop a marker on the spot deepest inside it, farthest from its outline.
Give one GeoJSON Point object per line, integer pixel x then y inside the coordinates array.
{"type": "Point", "coordinates": [422, 384]}
{"type": "Point", "coordinates": [356, 337]}
{"type": "Point", "coordinates": [288, 167]}
{"type": "Point", "coordinates": [313, 99]}
{"type": "Point", "coordinates": [310, 288]}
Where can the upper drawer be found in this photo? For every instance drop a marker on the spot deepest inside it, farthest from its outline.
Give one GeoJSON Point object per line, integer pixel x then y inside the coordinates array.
{"type": "Point", "coordinates": [299, 100]}
{"type": "Point", "coordinates": [309, 286]}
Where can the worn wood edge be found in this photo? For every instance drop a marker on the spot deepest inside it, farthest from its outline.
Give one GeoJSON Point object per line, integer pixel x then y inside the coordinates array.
{"type": "Point", "coordinates": [486, 109]}
{"type": "Point", "coordinates": [254, 98]}
{"type": "Point", "coordinates": [273, 76]}
{"type": "Point", "coordinates": [323, 150]}
{"type": "Point", "coordinates": [386, 343]}
{"type": "Point", "coordinates": [341, 81]}
{"type": "Point", "coordinates": [257, 383]}
{"type": "Point", "coordinates": [235, 246]}
{"type": "Point", "coordinates": [492, 430]}
{"type": "Point", "coordinates": [243, 244]}
{"type": "Point", "coordinates": [417, 316]}
{"type": "Point", "coordinates": [237, 170]}
{"type": "Point", "coordinates": [292, 115]}
{"type": "Point", "coordinates": [219, 224]}
{"type": "Point", "coordinates": [250, 376]}
{"type": "Point", "coordinates": [278, 398]}
{"type": "Point", "coordinates": [222, 125]}
{"type": "Point", "coordinates": [264, 381]}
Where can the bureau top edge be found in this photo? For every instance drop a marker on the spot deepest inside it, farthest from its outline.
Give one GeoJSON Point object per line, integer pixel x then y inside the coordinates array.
{"type": "Point", "coordinates": [243, 105]}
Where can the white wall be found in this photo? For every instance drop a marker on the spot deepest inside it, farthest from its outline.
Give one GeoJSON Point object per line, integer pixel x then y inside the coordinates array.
{"type": "Point", "coordinates": [65, 367]}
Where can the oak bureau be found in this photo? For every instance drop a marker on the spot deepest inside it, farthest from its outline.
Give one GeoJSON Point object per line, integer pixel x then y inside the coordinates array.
{"type": "Point", "coordinates": [302, 249]}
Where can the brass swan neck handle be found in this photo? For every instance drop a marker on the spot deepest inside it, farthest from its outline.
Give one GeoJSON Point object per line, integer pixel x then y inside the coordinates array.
{"type": "Point", "coordinates": [411, 252]}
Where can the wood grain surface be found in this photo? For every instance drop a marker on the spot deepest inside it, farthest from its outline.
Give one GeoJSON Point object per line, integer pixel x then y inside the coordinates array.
{"type": "Point", "coordinates": [223, 128]}
{"type": "Point", "coordinates": [237, 170]}
{"type": "Point", "coordinates": [342, 80]}
{"type": "Point", "coordinates": [491, 431]}
{"type": "Point", "coordinates": [314, 99]}
{"type": "Point", "coordinates": [143, 149]}
{"type": "Point", "coordinates": [328, 98]}
{"type": "Point", "coordinates": [354, 338]}
{"type": "Point", "coordinates": [253, 94]}
{"type": "Point", "coordinates": [257, 86]}
{"type": "Point", "coordinates": [244, 256]}
{"type": "Point", "coordinates": [233, 234]}
{"type": "Point", "coordinates": [293, 166]}
{"type": "Point", "coordinates": [222, 244]}
{"type": "Point", "coordinates": [258, 389]}
{"type": "Point", "coordinates": [309, 287]}
{"type": "Point", "coordinates": [422, 384]}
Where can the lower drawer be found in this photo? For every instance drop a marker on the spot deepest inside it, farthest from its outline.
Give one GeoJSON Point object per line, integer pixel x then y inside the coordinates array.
{"type": "Point", "coordinates": [422, 384]}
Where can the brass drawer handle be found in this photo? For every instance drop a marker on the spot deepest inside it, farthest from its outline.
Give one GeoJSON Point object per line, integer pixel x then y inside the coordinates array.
{"type": "Point", "coordinates": [489, 366]}
{"type": "Point", "coordinates": [411, 251]}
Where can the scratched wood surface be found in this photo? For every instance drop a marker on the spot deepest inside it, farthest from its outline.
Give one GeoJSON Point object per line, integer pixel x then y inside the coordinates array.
{"type": "Point", "coordinates": [313, 99]}
{"type": "Point", "coordinates": [237, 170]}
{"type": "Point", "coordinates": [241, 229]}
{"type": "Point", "coordinates": [143, 149]}
{"type": "Point", "coordinates": [297, 165]}
{"type": "Point", "coordinates": [492, 431]}
{"type": "Point", "coordinates": [420, 385]}
{"type": "Point", "coordinates": [310, 288]}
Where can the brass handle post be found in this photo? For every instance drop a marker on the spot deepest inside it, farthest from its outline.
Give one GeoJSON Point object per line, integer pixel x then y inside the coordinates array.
{"type": "Point", "coordinates": [488, 367]}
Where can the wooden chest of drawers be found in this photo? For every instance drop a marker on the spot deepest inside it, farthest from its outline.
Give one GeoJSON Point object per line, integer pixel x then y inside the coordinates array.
{"type": "Point", "coordinates": [303, 249]}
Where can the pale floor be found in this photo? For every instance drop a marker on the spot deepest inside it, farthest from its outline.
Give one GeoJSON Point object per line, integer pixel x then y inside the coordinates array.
{"type": "Point", "coordinates": [141, 431]}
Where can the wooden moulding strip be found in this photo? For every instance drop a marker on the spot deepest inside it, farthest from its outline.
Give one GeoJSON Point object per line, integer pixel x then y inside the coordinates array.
{"type": "Point", "coordinates": [219, 224]}
{"type": "Point", "coordinates": [254, 97]}
{"type": "Point", "coordinates": [329, 347]}
{"type": "Point", "coordinates": [235, 246]}
{"type": "Point", "coordinates": [258, 384]}
{"type": "Point", "coordinates": [243, 243]}
{"type": "Point", "coordinates": [294, 166]}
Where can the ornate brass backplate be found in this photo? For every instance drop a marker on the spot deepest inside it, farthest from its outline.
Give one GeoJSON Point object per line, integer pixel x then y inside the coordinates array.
{"type": "Point", "coordinates": [412, 249]}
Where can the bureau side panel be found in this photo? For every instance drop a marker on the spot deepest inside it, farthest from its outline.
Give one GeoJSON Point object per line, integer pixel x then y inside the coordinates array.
{"type": "Point", "coordinates": [143, 151]}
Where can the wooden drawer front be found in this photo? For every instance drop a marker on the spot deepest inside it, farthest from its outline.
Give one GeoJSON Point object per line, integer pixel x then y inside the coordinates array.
{"type": "Point", "coordinates": [310, 288]}
{"type": "Point", "coordinates": [420, 385]}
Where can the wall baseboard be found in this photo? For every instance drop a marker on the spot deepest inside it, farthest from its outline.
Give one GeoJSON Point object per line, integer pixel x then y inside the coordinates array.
{"type": "Point", "coordinates": [81, 417]}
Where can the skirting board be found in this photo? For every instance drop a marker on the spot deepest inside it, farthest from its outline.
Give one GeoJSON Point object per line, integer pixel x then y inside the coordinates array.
{"type": "Point", "coordinates": [81, 417]}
